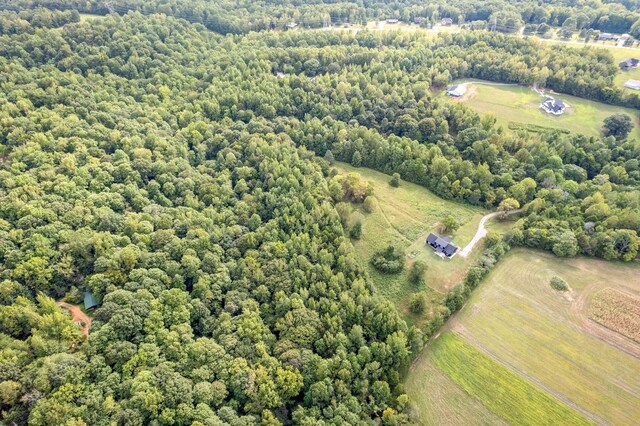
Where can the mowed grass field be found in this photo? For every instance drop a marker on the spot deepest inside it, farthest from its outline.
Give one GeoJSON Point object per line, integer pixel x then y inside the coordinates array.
{"type": "Point", "coordinates": [403, 217]}
{"type": "Point", "coordinates": [545, 337]}
{"type": "Point", "coordinates": [505, 393]}
{"type": "Point", "coordinates": [521, 105]}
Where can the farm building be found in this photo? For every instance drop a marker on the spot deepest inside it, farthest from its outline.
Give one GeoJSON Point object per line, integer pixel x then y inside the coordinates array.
{"type": "Point", "coordinates": [442, 246]}
{"type": "Point", "coordinates": [90, 301]}
{"type": "Point", "coordinates": [292, 25]}
{"type": "Point", "coordinates": [629, 63]}
{"type": "Point", "coordinates": [607, 36]}
{"type": "Point", "coordinates": [632, 84]}
{"type": "Point", "coordinates": [419, 19]}
{"type": "Point", "coordinates": [553, 106]}
{"type": "Point", "coordinates": [392, 21]}
{"type": "Point", "coordinates": [446, 21]}
{"type": "Point", "coordinates": [457, 90]}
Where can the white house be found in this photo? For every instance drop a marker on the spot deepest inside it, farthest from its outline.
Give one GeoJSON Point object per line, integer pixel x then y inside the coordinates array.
{"type": "Point", "coordinates": [553, 106]}
{"type": "Point", "coordinates": [457, 90]}
{"type": "Point", "coordinates": [632, 84]}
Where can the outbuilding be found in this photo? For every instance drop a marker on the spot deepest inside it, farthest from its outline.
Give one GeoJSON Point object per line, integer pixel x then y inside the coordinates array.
{"type": "Point", "coordinates": [632, 84]}
{"type": "Point", "coordinates": [457, 90]}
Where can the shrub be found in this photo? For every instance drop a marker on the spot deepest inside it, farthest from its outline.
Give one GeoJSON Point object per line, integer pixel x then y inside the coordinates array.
{"type": "Point", "coordinates": [417, 303]}
{"type": "Point", "coordinates": [389, 261]}
{"type": "Point", "coordinates": [416, 273]}
{"type": "Point", "coordinates": [368, 204]}
{"type": "Point", "coordinates": [395, 180]}
{"type": "Point", "coordinates": [356, 231]}
{"type": "Point", "coordinates": [558, 284]}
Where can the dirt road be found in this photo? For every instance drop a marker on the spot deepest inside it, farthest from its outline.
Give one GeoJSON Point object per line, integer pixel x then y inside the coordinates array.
{"type": "Point", "coordinates": [482, 231]}
{"type": "Point", "coordinates": [78, 316]}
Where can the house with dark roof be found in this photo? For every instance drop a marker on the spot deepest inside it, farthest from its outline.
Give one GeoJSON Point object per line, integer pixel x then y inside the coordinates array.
{"type": "Point", "coordinates": [629, 63]}
{"type": "Point", "coordinates": [442, 246]}
{"type": "Point", "coordinates": [553, 106]}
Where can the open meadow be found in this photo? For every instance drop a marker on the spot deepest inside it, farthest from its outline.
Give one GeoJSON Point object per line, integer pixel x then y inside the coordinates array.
{"type": "Point", "coordinates": [546, 337]}
{"type": "Point", "coordinates": [404, 217]}
{"type": "Point", "coordinates": [518, 104]}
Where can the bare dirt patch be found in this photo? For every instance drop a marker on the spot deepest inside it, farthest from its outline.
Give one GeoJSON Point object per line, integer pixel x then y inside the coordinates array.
{"type": "Point", "coordinates": [617, 311]}
{"type": "Point", "coordinates": [78, 317]}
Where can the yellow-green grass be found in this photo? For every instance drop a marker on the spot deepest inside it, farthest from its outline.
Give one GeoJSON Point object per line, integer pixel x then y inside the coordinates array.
{"type": "Point", "coordinates": [505, 393]}
{"type": "Point", "coordinates": [90, 17]}
{"type": "Point", "coordinates": [521, 105]}
{"type": "Point", "coordinates": [437, 400]}
{"type": "Point", "coordinates": [547, 337]}
{"type": "Point", "coordinates": [403, 217]}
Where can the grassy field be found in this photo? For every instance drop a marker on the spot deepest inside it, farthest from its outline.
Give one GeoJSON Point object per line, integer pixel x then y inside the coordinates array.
{"type": "Point", "coordinates": [521, 105]}
{"type": "Point", "coordinates": [404, 217]}
{"type": "Point", "coordinates": [546, 337]}
{"type": "Point", "coordinates": [505, 393]}
{"type": "Point", "coordinates": [90, 17]}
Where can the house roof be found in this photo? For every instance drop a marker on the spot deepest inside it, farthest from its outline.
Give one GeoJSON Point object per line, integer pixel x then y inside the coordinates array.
{"type": "Point", "coordinates": [89, 300]}
{"type": "Point", "coordinates": [554, 104]}
{"type": "Point", "coordinates": [633, 84]}
{"type": "Point", "coordinates": [457, 90]}
{"type": "Point", "coordinates": [628, 63]}
{"type": "Point", "coordinates": [442, 245]}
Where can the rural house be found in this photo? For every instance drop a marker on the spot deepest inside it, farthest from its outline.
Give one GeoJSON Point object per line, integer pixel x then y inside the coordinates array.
{"type": "Point", "coordinates": [553, 106]}
{"type": "Point", "coordinates": [457, 90]}
{"type": "Point", "coordinates": [446, 21]}
{"type": "Point", "coordinates": [292, 25]}
{"type": "Point", "coordinates": [442, 246]}
{"type": "Point", "coordinates": [632, 84]}
{"type": "Point", "coordinates": [629, 63]}
{"type": "Point", "coordinates": [607, 36]}
{"type": "Point", "coordinates": [419, 19]}
{"type": "Point", "coordinates": [392, 21]}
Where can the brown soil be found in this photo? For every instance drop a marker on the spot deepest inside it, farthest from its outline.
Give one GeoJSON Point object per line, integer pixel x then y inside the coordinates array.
{"type": "Point", "coordinates": [78, 316]}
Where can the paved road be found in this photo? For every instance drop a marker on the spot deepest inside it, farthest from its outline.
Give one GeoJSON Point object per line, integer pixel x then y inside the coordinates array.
{"type": "Point", "coordinates": [78, 316]}
{"type": "Point", "coordinates": [482, 231]}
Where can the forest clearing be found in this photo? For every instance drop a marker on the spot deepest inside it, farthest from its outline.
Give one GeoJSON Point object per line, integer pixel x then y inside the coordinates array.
{"type": "Point", "coordinates": [519, 104]}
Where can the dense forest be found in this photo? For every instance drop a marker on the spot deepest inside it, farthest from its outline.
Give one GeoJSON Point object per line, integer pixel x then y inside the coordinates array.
{"type": "Point", "coordinates": [178, 174]}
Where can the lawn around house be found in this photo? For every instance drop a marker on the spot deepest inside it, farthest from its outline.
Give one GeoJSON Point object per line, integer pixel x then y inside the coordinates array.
{"type": "Point", "coordinates": [546, 337]}
{"type": "Point", "coordinates": [404, 217]}
{"type": "Point", "coordinates": [519, 104]}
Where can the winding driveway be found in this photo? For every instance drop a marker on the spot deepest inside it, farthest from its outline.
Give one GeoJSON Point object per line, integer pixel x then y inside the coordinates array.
{"type": "Point", "coordinates": [482, 231]}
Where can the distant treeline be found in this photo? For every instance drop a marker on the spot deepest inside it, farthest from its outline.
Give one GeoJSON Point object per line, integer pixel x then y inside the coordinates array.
{"type": "Point", "coordinates": [241, 16]}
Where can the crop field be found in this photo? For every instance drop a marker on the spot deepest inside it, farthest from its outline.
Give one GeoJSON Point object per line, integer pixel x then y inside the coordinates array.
{"type": "Point", "coordinates": [617, 311]}
{"type": "Point", "coordinates": [518, 104]}
{"type": "Point", "coordinates": [547, 338]}
{"type": "Point", "coordinates": [404, 217]}
{"type": "Point", "coordinates": [505, 393]}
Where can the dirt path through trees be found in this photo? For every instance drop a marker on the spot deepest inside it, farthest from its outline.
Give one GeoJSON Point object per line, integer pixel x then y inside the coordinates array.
{"type": "Point", "coordinates": [78, 316]}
